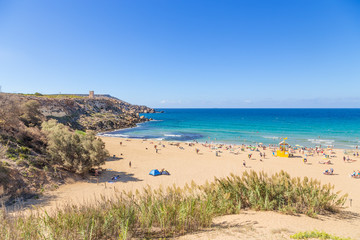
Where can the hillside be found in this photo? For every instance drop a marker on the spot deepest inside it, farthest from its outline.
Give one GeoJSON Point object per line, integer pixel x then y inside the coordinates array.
{"type": "Point", "coordinates": [101, 113]}
{"type": "Point", "coordinates": [26, 166]}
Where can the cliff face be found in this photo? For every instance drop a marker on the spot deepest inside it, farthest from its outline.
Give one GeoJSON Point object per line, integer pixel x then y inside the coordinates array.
{"type": "Point", "coordinates": [103, 113]}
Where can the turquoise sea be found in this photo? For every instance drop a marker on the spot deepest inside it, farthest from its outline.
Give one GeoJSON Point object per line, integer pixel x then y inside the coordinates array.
{"type": "Point", "coordinates": [307, 127]}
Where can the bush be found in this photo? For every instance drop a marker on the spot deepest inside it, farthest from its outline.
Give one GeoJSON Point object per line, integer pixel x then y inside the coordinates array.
{"type": "Point", "coordinates": [23, 150]}
{"type": "Point", "coordinates": [316, 234]}
{"type": "Point", "coordinates": [11, 156]}
{"type": "Point", "coordinates": [31, 115]}
{"type": "Point", "coordinates": [4, 171]}
{"type": "Point", "coordinates": [75, 152]}
{"type": "Point", "coordinates": [22, 163]}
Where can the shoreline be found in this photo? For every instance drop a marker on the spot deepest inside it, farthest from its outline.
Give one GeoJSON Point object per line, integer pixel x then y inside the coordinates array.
{"type": "Point", "coordinates": [213, 142]}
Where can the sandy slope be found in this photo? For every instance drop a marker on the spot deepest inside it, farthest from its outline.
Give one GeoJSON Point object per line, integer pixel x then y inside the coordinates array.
{"type": "Point", "coordinates": [186, 166]}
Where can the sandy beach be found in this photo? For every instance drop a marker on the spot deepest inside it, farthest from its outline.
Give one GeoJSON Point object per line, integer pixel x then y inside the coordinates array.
{"type": "Point", "coordinates": [186, 165]}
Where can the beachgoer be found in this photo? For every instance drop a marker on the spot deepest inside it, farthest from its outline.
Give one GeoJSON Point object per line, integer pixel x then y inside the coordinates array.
{"type": "Point", "coordinates": [244, 163]}
{"type": "Point", "coordinates": [305, 160]}
{"type": "Point", "coordinates": [264, 155]}
{"type": "Point", "coordinates": [120, 143]}
{"type": "Point", "coordinates": [130, 164]}
{"type": "Point", "coordinates": [344, 158]}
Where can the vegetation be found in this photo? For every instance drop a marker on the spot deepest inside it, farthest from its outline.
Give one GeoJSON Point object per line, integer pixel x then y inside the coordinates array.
{"type": "Point", "coordinates": [75, 151]}
{"type": "Point", "coordinates": [31, 116]}
{"type": "Point", "coordinates": [55, 95]}
{"type": "Point", "coordinates": [165, 213]}
{"type": "Point", "coordinates": [316, 234]}
{"type": "Point", "coordinates": [29, 151]}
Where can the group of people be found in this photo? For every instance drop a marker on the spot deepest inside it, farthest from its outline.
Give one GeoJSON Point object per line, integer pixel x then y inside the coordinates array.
{"type": "Point", "coordinates": [329, 171]}
{"type": "Point", "coordinates": [355, 174]}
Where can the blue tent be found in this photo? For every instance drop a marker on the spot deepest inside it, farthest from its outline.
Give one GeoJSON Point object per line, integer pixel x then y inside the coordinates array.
{"type": "Point", "coordinates": [155, 172]}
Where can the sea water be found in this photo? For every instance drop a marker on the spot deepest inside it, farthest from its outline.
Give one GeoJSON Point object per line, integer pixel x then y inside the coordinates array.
{"type": "Point", "coordinates": [339, 128]}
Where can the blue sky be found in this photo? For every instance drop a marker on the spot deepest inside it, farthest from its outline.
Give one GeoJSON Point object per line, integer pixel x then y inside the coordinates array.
{"type": "Point", "coordinates": [185, 53]}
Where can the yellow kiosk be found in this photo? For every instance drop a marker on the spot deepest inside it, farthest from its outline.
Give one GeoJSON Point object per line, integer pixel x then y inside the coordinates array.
{"type": "Point", "coordinates": [283, 150]}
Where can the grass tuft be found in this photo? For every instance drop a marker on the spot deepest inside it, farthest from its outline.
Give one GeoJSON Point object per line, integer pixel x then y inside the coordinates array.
{"type": "Point", "coordinates": [174, 211]}
{"type": "Point", "coordinates": [316, 234]}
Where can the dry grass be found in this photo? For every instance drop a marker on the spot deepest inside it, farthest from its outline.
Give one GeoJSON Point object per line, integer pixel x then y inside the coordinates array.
{"type": "Point", "coordinates": [174, 211]}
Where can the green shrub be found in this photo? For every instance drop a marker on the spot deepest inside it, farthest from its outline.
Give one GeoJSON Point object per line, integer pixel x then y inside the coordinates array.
{"type": "Point", "coordinates": [11, 150]}
{"type": "Point", "coordinates": [21, 163]}
{"type": "Point", "coordinates": [80, 132]}
{"type": "Point", "coordinates": [75, 152]}
{"type": "Point", "coordinates": [316, 234]}
{"type": "Point", "coordinates": [23, 156]}
{"type": "Point", "coordinates": [31, 115]}
{"type": "Point", "coordinates": [3, 167]}
{"type": "Point", "coordinates": [24, 150]}
{"type": "Point", "coordinates": [11, 156]}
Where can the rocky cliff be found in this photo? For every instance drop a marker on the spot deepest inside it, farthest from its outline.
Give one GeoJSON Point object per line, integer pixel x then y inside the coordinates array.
{"type": "Point", "coordinates": [102, 113]}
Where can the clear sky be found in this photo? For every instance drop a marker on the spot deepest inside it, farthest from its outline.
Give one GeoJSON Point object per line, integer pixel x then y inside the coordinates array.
{"type": "Point", "coordinates": [185, 53]}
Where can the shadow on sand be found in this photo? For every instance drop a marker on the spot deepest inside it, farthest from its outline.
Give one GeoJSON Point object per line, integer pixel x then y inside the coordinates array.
{"type": "Point", "coordinates": [21, 204]}
{"type": "Point", "coordinates": [108, 176]}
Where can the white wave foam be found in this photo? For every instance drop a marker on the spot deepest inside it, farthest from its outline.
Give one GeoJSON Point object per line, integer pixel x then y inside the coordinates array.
{"type": "Point", "coordinates": [322, 141]}
{"type": "Point", "coordinates": [172, 135]}
{"type": "Point", "coordinates": [115, 135]}
{"type": "Point", "coordinates": [270, 137]}
{"type": "Point", "coordinates": [350, 146]}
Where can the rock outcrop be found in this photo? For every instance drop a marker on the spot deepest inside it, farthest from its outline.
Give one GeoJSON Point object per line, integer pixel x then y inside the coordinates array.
{"type": "Point", "coordinates": [102, 113]}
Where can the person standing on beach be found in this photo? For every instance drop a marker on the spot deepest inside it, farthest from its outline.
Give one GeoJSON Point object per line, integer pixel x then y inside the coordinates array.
{"type": "Point", "coordinates": [130, 164]}
{"type": "Point", "coordinates": [244, 163]}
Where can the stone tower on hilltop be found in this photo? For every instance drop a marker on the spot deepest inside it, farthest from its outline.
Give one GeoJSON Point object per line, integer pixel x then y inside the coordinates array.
{"type": "Point", "coordinates": [91, 94]}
